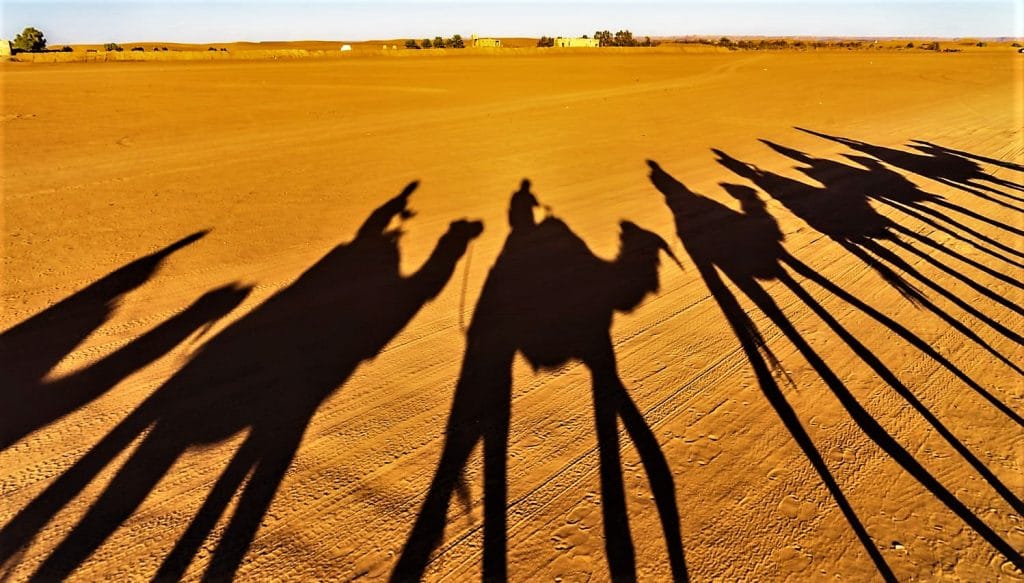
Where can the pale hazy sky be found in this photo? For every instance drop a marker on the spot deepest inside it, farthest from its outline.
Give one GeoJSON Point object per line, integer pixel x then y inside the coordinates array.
{"type": "Point", "coordinates": [94, 21]}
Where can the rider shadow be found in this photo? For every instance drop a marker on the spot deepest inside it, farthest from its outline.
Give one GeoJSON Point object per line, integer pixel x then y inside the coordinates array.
{"type": "Point", "coordinates": [841, 211]}
{"type": "Point", "coordinates": [550, 298]}
{"type": "Point", "coordinates": [31, 349]}
{"type": "Point", "coordinates": [266, 375]}
{"type": "Point", "coordinates": [746, 248]}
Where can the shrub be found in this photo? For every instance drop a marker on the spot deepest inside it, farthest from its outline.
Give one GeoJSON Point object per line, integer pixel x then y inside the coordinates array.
{"type": "Point", "coordinates": [456, 42]}
{"type": "Point", "coordinates": [212, 49]}
{"type": "Point", "coordinates": [411, 44]}
{"type": "Point", "coordinates": [1015, 45]}
{"type": "Point", "coordinates": [426, 43]}
{"type": "Point", "coordinates": [910, 45]}
{"type": "Point", "coordinates": [112, 47]}
{"type": "Point", "coordinates": [137, 49]}
{"type": "Point", "coordinates": [66, 49]}
{"type": "Point", "coordinates": [223, 50]}
{"type": "Point", "coordinates": [30, 40]}
{"type": "Point", "coordinates": [981, 44]}
{"type": "Point", "coordinates": [438, 42]}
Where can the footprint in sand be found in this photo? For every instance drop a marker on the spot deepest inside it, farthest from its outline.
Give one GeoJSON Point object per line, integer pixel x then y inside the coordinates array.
{"type": "Point", "coordinates": [797, 509]}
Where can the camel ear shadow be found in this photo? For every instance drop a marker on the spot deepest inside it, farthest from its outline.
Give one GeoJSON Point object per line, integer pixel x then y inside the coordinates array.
{"type": "Point", "coordinates": [409, 188]}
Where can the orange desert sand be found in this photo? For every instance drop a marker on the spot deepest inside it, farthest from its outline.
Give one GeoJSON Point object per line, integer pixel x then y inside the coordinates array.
{"type": "Point", "coordinates": [234, 331]}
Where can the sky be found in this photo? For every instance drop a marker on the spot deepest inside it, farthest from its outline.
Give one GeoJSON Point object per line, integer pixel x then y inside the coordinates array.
{"type": "Point", "coordinates": [98, 21]}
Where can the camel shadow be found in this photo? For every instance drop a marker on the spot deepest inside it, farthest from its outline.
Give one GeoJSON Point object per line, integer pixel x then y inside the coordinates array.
{"type": "Point", "coordinates": [265, 375]}
{"type": "Point", "coordinates": [841, 210]}
{"type": "Point", "coordinates": [950, 167]}
{"type": "Point", "coordinates": [32, 348]}
{"type": "Point", "coordinates": [745, 247]}
{"type": "Point", "coordinates": [551, 299]}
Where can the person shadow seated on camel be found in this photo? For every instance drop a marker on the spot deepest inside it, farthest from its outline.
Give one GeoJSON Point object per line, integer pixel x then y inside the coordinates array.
{"type": "Point", "coordinates": [550, 298]}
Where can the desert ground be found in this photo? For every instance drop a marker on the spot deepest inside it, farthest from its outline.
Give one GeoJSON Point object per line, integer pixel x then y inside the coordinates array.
{"type": "Point", "coordinates": [273, 320]}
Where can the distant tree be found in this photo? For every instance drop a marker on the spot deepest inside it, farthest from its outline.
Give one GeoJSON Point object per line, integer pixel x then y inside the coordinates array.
{"type": "Point", "coordinates": [411, 44]}
{"type": "Point", "coordinates": [725, 42]}
{"type": "Point", "coordinates": [624, 38]}
{"type": "Point", "coordinates": [209, 49]}
{"type": "Point", "coordinates": [546, 41]}
{"type": "Point", "coordinates": [936, 46]}
{"type": "Point", "coordinates": [439, 42]}
{"type": "Point", "coordinates": [910, 45]}
{"type": "Point", "coordinates": [456, 42]}
{"type": "Point", "coordinates": [140, 49]}
{"type": "Point", "coordinates": [66, 49]}
{"type": "Point", "coordinates": [584, 36]}
{"type": "Point", "coordinates": [426, 43]}
{"type": "Point", "coordinates": [981, 44]}
{"type": "Point", "coordinates": [1015, 45]}
{"type": "Point", "coordinates": [604, 38]}
{"type": "Point", "coordinates": [112, 47]}
{"type": "Point", "coordinates": [30, 40]}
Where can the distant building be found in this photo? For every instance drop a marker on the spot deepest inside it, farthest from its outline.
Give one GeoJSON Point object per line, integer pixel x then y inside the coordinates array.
{"type": "Point", "coordinates": [346, 48]}
{"type": "Point", "coordinates": [5, 48]}
{"type": "Point", "coordinates": [576, 42]}
{"type": "Point", "coordinates": [485, 42]}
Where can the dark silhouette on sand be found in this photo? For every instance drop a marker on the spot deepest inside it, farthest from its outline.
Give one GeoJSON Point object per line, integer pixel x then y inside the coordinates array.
{"type": "Point", "coordinates": [550, 298]}
{"type": "Point", "coordinates": [951, 167]}
{"type": "Point", "coordinates": [31, 349]}
{"type": "Point", "coordinates": [840, 210]}
{"type": "Point", "coordinates": [745, 247]}
{"type": "Point", "coordinates": [266, 374]}
{"type": "Point", "coordinates": [893, 189]}
{"type": "Point", "coordinates": [870, 180]}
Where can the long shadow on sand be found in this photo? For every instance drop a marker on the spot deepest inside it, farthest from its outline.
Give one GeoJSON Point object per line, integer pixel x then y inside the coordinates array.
{"type": "Point", "coordinates": [31, 349]}
{"type": "Point", "coordinates": [266, 374]}
{"type": "Point", "coordinates": [745, 247]}
{"type": "Point", "coordinates": [950, 167]}
{"type": "Point", "coordinates": [550, 298]}
{"type": "Point", "coordinates": [841, 210]}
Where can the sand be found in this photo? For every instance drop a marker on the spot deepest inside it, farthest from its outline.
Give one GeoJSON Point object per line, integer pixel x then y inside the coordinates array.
{"type": "Point", "coordinates": [830, 377]}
